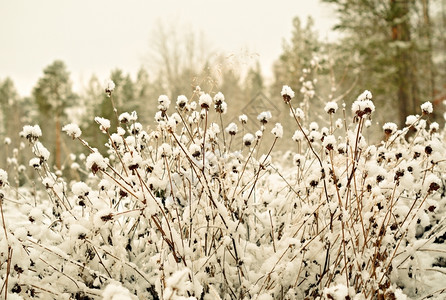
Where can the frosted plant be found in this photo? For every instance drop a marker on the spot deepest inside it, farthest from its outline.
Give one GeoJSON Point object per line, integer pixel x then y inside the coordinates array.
{"type": "Point", "coordinates": [180, 212]}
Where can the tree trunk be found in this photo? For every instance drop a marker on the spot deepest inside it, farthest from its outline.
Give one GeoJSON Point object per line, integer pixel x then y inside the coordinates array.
{"type": "Point", "coordinates": [58, 143]}
{"type": "Point", "coordinates": [405, 69]}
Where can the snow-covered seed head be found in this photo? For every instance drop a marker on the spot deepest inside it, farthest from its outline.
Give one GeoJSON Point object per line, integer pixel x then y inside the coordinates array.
{"type": "Point", "coordinates": [132, 161]}
{"type": "Point", "coordinates": [331, 107]}
{"type": "Point", "coordinates": [277, 131]}
{"type": "Point", "coordinates": [298, 112]}
{"type": "Point", "coordinates": [31, 133]}
{"type": "Point", "coordinates": [427, 108]}
{"type": "Point", "coordinates": [205, 101]}
{"type": "Point", "coordinates": [434, 127]}
{"type": "Point", "coordinates": [287, 93]}
{"type": "Point", "coordinates": [124, 118]}
{"type": "Point", "coordinates": [80, 189]}
{"type": "Point", "coordinates": [298, 136]}
{"type": "Point", "coordinates": [3, 178]}
{"type": "Point", "coordinates": [259, 134]}
{"type": "Point", "coordinates": [41, 152]}
{"type": "Point", "coordinates": [432, 183]}
{"type": "Point", "coordinates": [248, 139]}
{"type": "Point", "coordinates": [264, 117]}
{"type": "Point", "coordinates": [243, 119]}
{"type": "Point", "coordinates": [72, 130]}
{"type": "Point", "coordinates": [221, 108]}
{"type": "Point", "coordinates": [314, 126]}
{"type": "Point", "coordinates": [389, 128]}
{"type": "Point", "coordinates": [219, 98]}
{"type": "Point", "coordinates": [36, 163]}
{"type": "Point", "coordinates": [96, 162]}
{"type": "Point", "coordinates": [165, 150]}
{"type": "Point", "coordinates": [136, 128]}
{"type": "Point", "coordinates": [298, 160]}
{"type": "Point", "coordinates": [329, 142]}
{"type": "Point", "coordinates": [109, 87]}
{"type": "Point", "coordinates": [410, 120]}
{"type": "Point", "coordinates": [366, 95]}
{"type": "Point", "coordinates": [363, 106]}
{"type": "Point", "coordinates": [195, 150]}
{"type": "Point", "coordinates": [104, 124]}
{"type": "Point", "coordinates": [181, 102]}
{"type": "Point", "coordinates": [163, 103]}
{"type": "Point", "coordinates": [232, 129]}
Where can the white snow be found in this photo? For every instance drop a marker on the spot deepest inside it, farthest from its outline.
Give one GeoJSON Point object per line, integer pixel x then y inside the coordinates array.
{"type": "Point", "coordinates": [72, 130]}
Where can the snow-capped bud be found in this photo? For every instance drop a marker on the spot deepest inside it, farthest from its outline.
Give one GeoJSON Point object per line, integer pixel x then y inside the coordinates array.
{"type": "Point", "coordinates": [181, 102]}
{"type": "Point", "coordinates": [287, 93]}
{"type": "Point", "coordinates": [232, 129]}
{"type": "Point", "coordinates": [329, 142]}
{"type": "Point", "coordinates": [277, 131]}
{"type": "Point", "coordinates": [72, 130]}
{"type": "Point", "coordinates": [195, 150]}
{"type": "Point", "coordinates": [243, 119]}
{"type": "Point", "coordinates": [109, 87]}
{"type": "Point", "coordinates": [434, 127]}
{"type": "Point", "coordinates": [264, 117]}
{"type": "Point", "coordinates": [80, 189]}
{"type": "Point", "coordinates": [427, 108]}
{"type": "Point", "coordinates": [41, 152]}
{"type": "Point", "coordinates": [35, 162]}
{"type": "Point", "coordinates": [132, 161]}
{"type": "Point", "coordinates": [298, 159]}
{"type": "Point", "coordinates": [389, 128]}
{"type": "Point", "coordinates": [96, 162]}
{"type": "Point", "coordinates": [104, 124]}
{"type": "Point", "coordinates": [432, 183]}
{"type": "Point", "coordinates": [259, 134]}
{"type": "Point", "coordinates": [165, 150]}
{"type": "Point", "coordinates": [248, 139]}
{"type": "Point", "coordinates": [205, 101]}
{"type": "Point", "coordinates": [221, 108]}
{"type": "Point", "coordinates": [331, 107]}
{"type": "Point", "coordinates": [219, 98]}
{"type": "Point", "coordinates": [298, 112]}
{"type": "Point", "coordinates": [31, 133]}
{"type": "Point", "coordinates": [298, 136]}
{"type": "Point", "coordinates": [163, 103]}
{"type": "Point", "coordinates": [124, 118]}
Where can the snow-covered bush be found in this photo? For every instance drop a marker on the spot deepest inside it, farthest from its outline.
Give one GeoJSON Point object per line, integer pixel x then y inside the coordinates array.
{"type": "Point", "coordinates": [184, 212]}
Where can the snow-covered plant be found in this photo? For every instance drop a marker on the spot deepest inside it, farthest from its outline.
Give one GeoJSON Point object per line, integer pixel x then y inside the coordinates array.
{"type": "Point", "coordinates": [177, 213]}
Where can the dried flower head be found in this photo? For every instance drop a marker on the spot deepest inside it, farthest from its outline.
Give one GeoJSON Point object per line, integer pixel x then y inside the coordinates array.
{"type": "Point", "coordinates": [72, 130]}
{"type": "Point", "coordinates": [232, 128]}
{"type": "Point", "coordinates": [109, 87]}
{"type": "Point", "coordinates": [163, 103]}
{"type": "Point", "coordinates": [264, 117]}
{"type": "Point", "coordinates": [331, 107]}
{"type": "Point", "coordinates": [31, 133]}
{"type": "Point", "coordinates": [427, 108]}
{"type": "Point", "coordinates": [205, 101]}
{"type": "Point", "coordinates": [287, 93]}
{"type": "Point", "coordinates": [96, 162]}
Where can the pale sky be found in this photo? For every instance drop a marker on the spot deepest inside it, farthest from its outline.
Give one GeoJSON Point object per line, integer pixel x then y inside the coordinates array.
{"type": "Point", "coordinates": [97, 36]}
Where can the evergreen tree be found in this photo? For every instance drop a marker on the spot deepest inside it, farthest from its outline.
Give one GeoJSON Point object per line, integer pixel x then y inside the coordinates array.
{"type": "Point", "coordinates": [391, 47]}
{"type": "Point", "coordinates": [52, 95]}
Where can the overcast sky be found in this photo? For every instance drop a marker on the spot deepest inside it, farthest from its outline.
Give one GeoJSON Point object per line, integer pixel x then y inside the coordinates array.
{"type": "Point", "coordinates": [96, 36]}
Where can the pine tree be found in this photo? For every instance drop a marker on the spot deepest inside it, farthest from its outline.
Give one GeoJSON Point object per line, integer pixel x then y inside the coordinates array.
{"type": "Point", "coordinates": [52, 95]}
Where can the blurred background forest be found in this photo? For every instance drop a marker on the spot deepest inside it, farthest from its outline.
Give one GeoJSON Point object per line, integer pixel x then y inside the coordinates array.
{"type": "Point", "coordinates": [395, 48]}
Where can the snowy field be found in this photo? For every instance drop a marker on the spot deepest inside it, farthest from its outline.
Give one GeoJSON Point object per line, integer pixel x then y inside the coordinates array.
{"type": "Point", "coordinates": [193, 209]}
